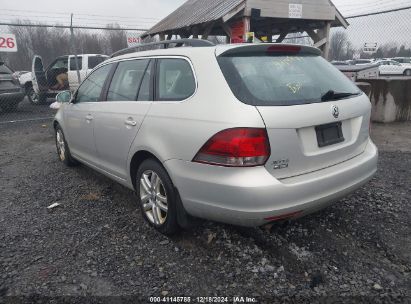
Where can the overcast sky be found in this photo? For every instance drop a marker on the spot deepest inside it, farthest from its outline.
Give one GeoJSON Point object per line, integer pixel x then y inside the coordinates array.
{"type": "Point", "coordinates": [136, 13]}
{"type": "Point", "coordinates": [143, 14]}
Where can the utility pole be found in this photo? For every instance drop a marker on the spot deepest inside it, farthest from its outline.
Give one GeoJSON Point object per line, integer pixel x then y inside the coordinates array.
{"type": "Point", "coordinates": [73, 42]}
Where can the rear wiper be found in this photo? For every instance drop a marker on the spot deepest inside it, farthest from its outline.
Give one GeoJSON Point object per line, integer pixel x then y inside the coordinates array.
{"type": "Point", "coordinates": [332, 95]}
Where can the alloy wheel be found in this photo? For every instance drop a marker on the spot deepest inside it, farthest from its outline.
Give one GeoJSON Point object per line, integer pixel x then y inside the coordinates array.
{"type": "Point", "coordinates": [34, 97]}
{"type": "Point", "coordinates": [153, 197]}
{"type": "Point", "coordinates": [61, 148]}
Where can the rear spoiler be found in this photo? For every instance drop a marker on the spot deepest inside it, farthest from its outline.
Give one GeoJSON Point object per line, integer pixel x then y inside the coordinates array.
{"type": "Point", "coordinates": [238, 49]}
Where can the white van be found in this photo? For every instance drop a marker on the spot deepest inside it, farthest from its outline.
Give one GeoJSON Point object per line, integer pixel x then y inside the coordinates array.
{"type": "Point", "coordinates": [42, 83]}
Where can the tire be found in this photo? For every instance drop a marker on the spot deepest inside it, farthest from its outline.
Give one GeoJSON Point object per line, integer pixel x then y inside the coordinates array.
{"type": "Point", "coordinates": [158, 204]}
{"type": "Point", "coordinates": [32, 95]}
{"type": "Point", "coordinates": [35, 98]}
{"type": "Point", "coordinates": [407, 73]}
{"type": "Point", "coordinates": [63, 151]}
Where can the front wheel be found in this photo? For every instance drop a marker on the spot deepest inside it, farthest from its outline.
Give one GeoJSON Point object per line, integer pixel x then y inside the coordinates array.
{"type": "Point", "coordinates": [34, 97]}
{"type": "Point", "coordinates": [407, 72]}
{"type": "Point", "coordinates": [157, 197]}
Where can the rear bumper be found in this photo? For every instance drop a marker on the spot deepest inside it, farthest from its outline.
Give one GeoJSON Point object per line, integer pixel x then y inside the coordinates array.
{"type": "Point", "coordinates": [248, 196]}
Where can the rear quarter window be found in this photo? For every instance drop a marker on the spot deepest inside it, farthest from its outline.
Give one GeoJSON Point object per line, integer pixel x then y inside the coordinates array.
{"type": "Point", "coordinates": [175, 80]}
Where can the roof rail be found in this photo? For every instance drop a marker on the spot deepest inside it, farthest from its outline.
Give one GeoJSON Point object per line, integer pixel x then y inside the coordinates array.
{"type": "Point", "coordinates": [165, 45]}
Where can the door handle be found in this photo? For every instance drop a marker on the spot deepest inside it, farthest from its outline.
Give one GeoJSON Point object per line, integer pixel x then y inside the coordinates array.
{"type": "Point", "coordinates": [89, 117]}
{"type": "Point", "coordinates": [130, 122]}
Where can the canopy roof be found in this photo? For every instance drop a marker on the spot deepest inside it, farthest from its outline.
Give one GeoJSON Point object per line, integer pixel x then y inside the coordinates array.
{"type": "Point", "coordinates": [195, 16]}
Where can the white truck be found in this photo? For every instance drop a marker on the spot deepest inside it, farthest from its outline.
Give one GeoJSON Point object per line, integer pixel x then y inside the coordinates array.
{"type": "Point", "coordinates": [42, 83]}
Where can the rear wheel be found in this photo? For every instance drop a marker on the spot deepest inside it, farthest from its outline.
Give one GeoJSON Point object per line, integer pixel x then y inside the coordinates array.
{"type": "Point", "coordinates": [63, 150]}
{"type": "Point", "coordinates": [407, 72]}
{"type": "Point", "coordinates": [157, 197]}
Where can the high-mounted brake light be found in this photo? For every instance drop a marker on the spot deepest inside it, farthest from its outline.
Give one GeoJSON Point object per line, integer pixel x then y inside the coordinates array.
{"type": "Point", "coordinates": [239, 147]}
{"type": "Point", "coordinates": [284, 49]}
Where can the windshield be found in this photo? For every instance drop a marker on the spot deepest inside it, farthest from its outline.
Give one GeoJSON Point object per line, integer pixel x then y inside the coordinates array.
{"type": "Point", "coordinates": [272, 80]}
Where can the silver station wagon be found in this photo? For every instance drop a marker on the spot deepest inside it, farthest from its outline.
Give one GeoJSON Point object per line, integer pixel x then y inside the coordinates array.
{"type": "Point", "coordinates": [243, 134]}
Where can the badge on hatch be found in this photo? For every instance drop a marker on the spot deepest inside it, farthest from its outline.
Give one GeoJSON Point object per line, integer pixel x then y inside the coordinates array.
{"type": "Point", "coordinates": [281, 164]}
{"type": "Point", "coordinates": [335, 111]}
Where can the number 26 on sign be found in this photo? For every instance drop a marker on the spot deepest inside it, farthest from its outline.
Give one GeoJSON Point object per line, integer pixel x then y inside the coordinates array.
{"type": "Point", "coordinates": [8, 43]}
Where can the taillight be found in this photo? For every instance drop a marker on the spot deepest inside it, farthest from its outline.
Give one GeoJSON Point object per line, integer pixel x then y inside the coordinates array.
{"type": "Point", "coordinates": [239, 147]}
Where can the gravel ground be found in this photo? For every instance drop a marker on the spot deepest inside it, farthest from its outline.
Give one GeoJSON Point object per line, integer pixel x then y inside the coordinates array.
{"type": "Point", "coordinates": [27, 112]}
{"type": "Point", "coordinates": [97, 244]}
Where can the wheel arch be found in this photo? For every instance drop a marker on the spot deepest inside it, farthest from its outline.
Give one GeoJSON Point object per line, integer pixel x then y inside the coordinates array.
{"type": "Point", "coordinates": [138, 158]}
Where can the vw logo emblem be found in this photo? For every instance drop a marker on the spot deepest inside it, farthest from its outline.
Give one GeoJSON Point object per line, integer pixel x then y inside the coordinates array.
{"type": "Point", "coordinates": [335, 111]}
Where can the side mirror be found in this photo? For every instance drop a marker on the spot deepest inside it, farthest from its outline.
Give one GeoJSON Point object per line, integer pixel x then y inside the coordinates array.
{"type": "Point", "coordinates": [64, 96]}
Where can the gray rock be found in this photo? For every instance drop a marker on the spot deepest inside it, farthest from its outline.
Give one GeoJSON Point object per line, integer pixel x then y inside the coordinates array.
{"type": "Point", "coordinates": [377, 286]}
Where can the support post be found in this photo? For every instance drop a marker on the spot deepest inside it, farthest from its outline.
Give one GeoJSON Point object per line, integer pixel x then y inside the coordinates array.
{"type": "Point", "coordinates": [73, 43]}
{"type": "Point", "coordinates": [207, 31]}
{"type": "Point", "coordinates": [247, 26]}
{"type": "Point", "coordinates": [326, 49]}
{"type": "Point", "coordinates": [283, 34]}
{"type": "Point", "coordinates": [322, 39]}
{"type": "Point", "coordinates": [270, 33]}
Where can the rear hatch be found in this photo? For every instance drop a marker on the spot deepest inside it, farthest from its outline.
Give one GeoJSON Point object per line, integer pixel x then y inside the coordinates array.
{"type": "Point", "coordinates": [315, 117]}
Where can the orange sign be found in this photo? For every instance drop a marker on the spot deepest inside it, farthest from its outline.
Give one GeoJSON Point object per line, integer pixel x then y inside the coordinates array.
{"type": "Point", "coordinates": [237, 32]}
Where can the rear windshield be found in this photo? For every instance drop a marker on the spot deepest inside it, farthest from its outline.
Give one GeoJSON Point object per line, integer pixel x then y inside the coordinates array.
{"type": "Point", "coordinates": [283, 80]}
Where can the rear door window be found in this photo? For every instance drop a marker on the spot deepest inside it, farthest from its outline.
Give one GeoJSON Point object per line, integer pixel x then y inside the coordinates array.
{"type": "Point", "coordinates": [175, 80]}
{"type": "Point", "coordinates": [127, 80]}
{"type": "Point", "coordinates": [73, 65]}
{"type": "Point", "coordinates": [263, 79]}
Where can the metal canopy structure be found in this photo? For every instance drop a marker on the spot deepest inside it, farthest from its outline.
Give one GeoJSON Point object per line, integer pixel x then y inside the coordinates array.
{"type": "Point", "coordinates": [265, 18]}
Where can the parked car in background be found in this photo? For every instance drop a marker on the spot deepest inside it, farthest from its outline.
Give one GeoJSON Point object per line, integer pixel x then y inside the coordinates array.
{"type": "Point", "coordinates": [403, 60]}
{"type": "Point", "coordinates": [391, 67]}
{"type": "Point", "coordinates": [213, 132]}
{"type": "Point", "coordinates": [361, 61]}
{"type": "Point", "coordinates": [340, 62]}
{"type": "Point", "coordinates": [11, 94]}
{"type": "Point", "coordinates": [43, 82]}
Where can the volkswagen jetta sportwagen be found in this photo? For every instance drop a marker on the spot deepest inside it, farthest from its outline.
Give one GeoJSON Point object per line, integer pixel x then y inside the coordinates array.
{"type": "Point", "coordinates": [241, 134]}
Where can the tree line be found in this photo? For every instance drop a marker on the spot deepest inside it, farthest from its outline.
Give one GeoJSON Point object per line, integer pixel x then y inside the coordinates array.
{"type": "Point", "coordinates": [342, 49]}
{"type": "Point", "coordinates": [51, 42]}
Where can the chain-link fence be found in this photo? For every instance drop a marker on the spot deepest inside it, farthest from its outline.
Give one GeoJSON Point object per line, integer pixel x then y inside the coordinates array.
{"type": "Point", "coordinates": [63, 54]}
{"type": "Point", "coordinates": [387, 31]}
